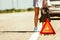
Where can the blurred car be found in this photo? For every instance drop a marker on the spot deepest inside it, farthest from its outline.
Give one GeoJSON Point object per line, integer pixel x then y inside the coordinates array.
{"type": "Point", "coordinates": [55, 8]}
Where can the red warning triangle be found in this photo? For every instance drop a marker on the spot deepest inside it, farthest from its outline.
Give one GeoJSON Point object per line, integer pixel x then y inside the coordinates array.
{"type": "Point", "coordinates": [47, 28]}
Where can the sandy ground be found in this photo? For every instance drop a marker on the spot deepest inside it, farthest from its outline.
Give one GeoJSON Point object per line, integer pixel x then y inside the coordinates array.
{"type": "Point", "coordinates": [23, 21]}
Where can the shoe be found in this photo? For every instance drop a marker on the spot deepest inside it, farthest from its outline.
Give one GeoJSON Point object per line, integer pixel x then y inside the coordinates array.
{"type": "Point", "coordinates": [35, 28]}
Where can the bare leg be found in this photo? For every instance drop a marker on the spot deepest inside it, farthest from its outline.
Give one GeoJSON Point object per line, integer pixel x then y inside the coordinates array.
{"type": "Point", "coordinates": [36, 9]}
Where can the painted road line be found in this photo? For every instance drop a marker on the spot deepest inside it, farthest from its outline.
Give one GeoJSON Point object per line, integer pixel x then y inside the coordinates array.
{"type": "Point", "coordinates": [35, 35]}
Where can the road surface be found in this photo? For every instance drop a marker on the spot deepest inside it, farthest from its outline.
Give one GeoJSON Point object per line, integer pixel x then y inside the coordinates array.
{"type": "Point", "coordinates": [23, 21]}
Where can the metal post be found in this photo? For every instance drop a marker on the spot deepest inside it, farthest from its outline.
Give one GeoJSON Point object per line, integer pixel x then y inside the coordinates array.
{"type": "Point", "coordinates": [12, 3]}
{"type": "Point", "coordinates": [17, 4]}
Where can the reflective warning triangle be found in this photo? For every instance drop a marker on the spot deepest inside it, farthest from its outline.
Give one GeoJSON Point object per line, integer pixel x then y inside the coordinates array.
{"type": "Point", "coordinates": [47, 28]}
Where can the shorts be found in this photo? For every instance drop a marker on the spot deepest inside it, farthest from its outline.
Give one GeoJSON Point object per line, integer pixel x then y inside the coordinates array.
{"type": "Point", "coordinates": [38, 3]}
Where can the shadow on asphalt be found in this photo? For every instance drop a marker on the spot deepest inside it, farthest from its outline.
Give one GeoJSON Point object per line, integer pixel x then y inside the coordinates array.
{"type": "Point", "coordinates": [17, 31]}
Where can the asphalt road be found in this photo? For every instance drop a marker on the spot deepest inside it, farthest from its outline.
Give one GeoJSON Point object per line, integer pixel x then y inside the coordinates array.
{"type": "Point", "coordinates": [15, 23]}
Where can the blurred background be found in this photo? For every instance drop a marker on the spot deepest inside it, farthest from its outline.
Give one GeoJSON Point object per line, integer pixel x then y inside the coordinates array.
{"type": "Point", "coordinates": [15, 5]}
{"type": "Point", "coordinates": [17, 20]}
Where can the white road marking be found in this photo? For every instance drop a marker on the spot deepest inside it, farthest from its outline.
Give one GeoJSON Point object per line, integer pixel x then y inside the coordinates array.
{"type": "Point", "coordinates": [35, 35]}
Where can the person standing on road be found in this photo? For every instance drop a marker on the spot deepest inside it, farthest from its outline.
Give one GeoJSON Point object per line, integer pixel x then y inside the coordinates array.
{"type": "Point", "coordinates": [38, 4]}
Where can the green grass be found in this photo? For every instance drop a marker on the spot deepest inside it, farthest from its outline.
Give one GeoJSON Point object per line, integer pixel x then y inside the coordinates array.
{"type": "Point", "coordinates": [15, 10]}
